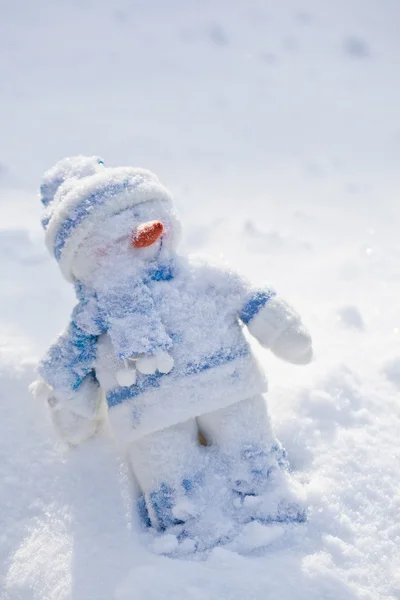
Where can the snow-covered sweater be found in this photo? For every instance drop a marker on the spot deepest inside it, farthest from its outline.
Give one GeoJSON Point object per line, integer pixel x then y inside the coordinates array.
{"type": "Point", "coordinates": [202, 310]}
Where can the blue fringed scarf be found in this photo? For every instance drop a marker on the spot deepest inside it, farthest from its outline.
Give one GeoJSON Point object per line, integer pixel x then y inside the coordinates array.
{"type": "Point", "coordinates": [124, 307]}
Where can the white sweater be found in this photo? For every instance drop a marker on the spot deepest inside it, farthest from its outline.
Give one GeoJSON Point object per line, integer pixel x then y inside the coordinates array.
{"type": "Point", "coordinates": [204, 309]}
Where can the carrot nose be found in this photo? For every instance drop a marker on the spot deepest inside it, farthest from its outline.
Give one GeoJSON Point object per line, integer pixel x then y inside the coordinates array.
{"type": "Point", "coordinates": [147, 234]}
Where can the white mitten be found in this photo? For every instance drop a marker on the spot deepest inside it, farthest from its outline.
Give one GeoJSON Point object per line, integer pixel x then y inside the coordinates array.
{"type": "Point", "coordinates": [73, 428]}
{"type": "Point", "coordinates": [40, 390]}
{"type": "Point", "coordinates": [294, 345]}
{"type": "Point", "coordinates": [77, 418]}
{"type": "Point", "coordinates": [278, 326]}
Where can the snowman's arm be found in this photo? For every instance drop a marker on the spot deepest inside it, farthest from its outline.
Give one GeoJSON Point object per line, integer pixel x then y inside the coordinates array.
{"type": "Point", "coordinates": [69, 361]}
{"type": "Point", "coordinates": [277, 326]}
{"type": "Point", "coordinates": [67, 383]}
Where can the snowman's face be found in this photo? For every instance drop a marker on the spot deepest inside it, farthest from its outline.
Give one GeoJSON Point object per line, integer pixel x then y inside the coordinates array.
{"type": "Point", "coordinates": [128, 241]}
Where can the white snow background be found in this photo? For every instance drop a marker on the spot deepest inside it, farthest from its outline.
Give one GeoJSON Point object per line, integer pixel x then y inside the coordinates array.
{"type": "Point", "coordinates": [277, 127]}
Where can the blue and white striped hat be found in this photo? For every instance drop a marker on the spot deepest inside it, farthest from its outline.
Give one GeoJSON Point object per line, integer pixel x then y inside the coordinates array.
{"type": "Point", "coordinates": [80, 193]}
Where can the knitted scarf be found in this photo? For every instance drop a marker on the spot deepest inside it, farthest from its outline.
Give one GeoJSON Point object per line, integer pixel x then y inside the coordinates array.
{"type": "Point", "coordinates": [123, 306]}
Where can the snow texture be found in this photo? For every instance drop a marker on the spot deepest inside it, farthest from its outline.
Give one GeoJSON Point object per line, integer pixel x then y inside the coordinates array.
{"type": "Point", "coordinates": [262, 120]}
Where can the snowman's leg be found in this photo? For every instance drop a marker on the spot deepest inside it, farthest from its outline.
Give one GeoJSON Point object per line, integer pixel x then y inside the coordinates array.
{"type": "Point", "coordinates": [246, 446]}
{"type": "Point", "coordinates": [167, 465]}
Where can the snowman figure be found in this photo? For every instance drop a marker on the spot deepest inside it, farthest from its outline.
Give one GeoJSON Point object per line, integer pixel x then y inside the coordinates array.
{"type": "Point", "coordinates": [159, 338]}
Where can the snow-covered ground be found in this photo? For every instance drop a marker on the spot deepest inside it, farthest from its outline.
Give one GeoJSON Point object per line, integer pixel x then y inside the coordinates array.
{"type": "Point", "coordinates": [277, 127]}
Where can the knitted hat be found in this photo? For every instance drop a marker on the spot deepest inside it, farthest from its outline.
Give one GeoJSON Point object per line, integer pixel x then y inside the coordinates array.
{"type": "Point", "coordinates": [79, 193]}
